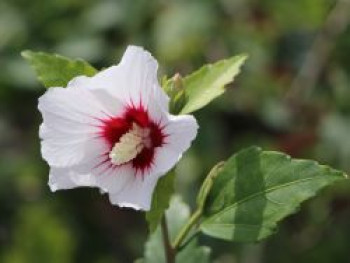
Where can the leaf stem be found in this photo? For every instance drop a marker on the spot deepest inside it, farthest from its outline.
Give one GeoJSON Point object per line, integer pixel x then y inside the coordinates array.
{"type": "Point", "coordinates": [184, 231]}
{"type": "Point", "coordinates": [201, 198]}
{"type": "Point", "coordinates": [170, 252]}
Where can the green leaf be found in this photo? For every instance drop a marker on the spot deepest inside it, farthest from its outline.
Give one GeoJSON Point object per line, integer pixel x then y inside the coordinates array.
{"type": "Point", "coordinates": [177, 216]}
{"type": "Point", "coordinates": [55, 70]}
{"type": "Point", "coordinates": [209, 82]}
{"type": "Point", "coordinates": [160, 200]}
{"type": "Point", "coordinates": [256, 189]}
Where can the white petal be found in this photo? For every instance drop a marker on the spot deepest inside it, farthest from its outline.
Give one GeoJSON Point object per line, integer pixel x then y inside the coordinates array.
{"type": "Point", "coordinates": [114, 180]}
{"type": "Point", "coordinates": [133, 81]}
{"type": "Point", "coordinates": [97, 85]}
{"type": "Point", "coordinates": [87, 175]}
{"type": "Point", "coordinates": [68, 178]}
{"type": "Point", "coordinates": [64, 149]}
{"type": "Point", "coordinates": [124, 188]}
{"type": "Point", "coordinates": [70, 129]}
{"type": "Point", "coordinates": [181, 130]}
{"type": "Point", "coordinates": [140, 69]}
{"type": "Point", "coordinates": [73, 103]}
{"type": "Point", "coordinates": [137, 194]}
{"type": "Point", "coordinates": [157, 114]}
{"type": "Point", "coordinates": [111, 80]}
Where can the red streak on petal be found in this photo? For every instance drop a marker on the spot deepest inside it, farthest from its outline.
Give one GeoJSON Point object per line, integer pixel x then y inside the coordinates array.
{"type": "Point", "coordinates": [144, 160]}
{"type": "Point", "coordinates": [138, 115]}
{"type": "Point", "coordinates": [114, 128]}
{"type": "Point", "coordinates": [156, 135]}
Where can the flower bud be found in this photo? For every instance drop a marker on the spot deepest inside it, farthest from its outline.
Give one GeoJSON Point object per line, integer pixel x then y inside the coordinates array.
{"type": "Point", "coordinates": [174, 87]}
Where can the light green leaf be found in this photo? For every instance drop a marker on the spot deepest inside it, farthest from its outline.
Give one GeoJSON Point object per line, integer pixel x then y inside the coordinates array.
{"type": "Point", "coordinates": [177, 216]}
{"type": "Point", "coordinates": [209, 82]}
{"type": "Point", "coordinates": [256, 189]}
{"type": "Point", "coordinates": [193, 253]}
{"type": "Point", "coordinates": [160, 200]}
{"type": "Point", "coordinates": [55, 70]}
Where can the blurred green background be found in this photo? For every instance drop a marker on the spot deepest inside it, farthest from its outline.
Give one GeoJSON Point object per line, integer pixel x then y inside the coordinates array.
{"type": "Point", "coordinates": [275, 103]}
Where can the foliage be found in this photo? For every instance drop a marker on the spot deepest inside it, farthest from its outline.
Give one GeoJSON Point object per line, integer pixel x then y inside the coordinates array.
{"type": "Point", "coordinates": [177, 215]}
{"type": "Point", "coordinates": [256, 189]}
{"type": "Point", "coordinates": [208, 82]}
{"type": "Point", "coordinates": [56, 70]}
{"type": "Point", "coordinates": [160, 200]}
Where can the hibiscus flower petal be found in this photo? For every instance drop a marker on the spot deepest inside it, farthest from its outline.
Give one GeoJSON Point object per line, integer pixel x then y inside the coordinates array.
{"type": "Point", "coordinates": [114, 179]}
{"type": "Point", "coordinates": [69, 131]}
{"type": "Point", "coordinates": [109, 180]}
{"type": "Point", "coordinates": [140, 70]}
{"type": "Point", "coordinates": [113, 105]}
{"type": "Point", "coordinates": [133, 81]}
{"type": "Point", "coordinates": [68, 178]}
{"type": "Point", "coordinates": [137, 194]}
{"type": "Point", "coordinates": [179, 131]}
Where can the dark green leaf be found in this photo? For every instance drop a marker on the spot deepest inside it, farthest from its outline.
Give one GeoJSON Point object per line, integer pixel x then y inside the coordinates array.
{"type": "Point", "coordinates": [177, 216]}
{"type": "Point", "coordinates": [55, 70]}
{"type": "Point", "coordinates": [256, 189]}
{"type": "Point", "coordinates": [160, 200]}
{"type": "Point", "coordinates": [209, 82]}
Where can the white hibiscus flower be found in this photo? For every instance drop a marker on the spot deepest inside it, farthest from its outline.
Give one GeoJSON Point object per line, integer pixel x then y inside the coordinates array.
{"type": "Point", "coordinates": [113, 131]}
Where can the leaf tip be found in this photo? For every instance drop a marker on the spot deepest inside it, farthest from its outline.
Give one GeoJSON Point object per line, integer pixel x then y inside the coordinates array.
{"type": "Point", "coordinates": [244, 56]}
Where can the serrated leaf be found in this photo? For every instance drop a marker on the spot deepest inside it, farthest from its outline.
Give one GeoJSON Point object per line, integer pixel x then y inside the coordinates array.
{"type": "Point", "coordinates": [160, 200]}
{"type": "Point", "coordinates": [177, 216]}
{"type": "Point", "coordinates": [256, 189]}
{"type": "Point", "coordinates": [209, 82]}
{"type": "Point", "coordinates": [55, 70]}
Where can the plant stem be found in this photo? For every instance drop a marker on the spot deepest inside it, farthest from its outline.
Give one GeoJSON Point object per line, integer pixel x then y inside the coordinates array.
{"type": "Point", "coordinates": [170, 252]}
{"type": "Point", "coordinates": [184, 231]}
{"type": "Point", "coordinates": [188, 240]}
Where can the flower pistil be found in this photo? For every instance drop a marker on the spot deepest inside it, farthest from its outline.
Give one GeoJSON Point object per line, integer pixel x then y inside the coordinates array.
{"type": "Point", "coordinates": [130, 145]}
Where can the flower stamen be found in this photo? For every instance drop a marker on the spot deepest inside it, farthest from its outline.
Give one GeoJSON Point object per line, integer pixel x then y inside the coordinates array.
{"type": "Point", "coordinates": [130, 145]}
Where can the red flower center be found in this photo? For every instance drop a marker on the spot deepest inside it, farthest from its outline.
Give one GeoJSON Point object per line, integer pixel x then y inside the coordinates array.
{"type": "Point", "coordinates": [114, 130]}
